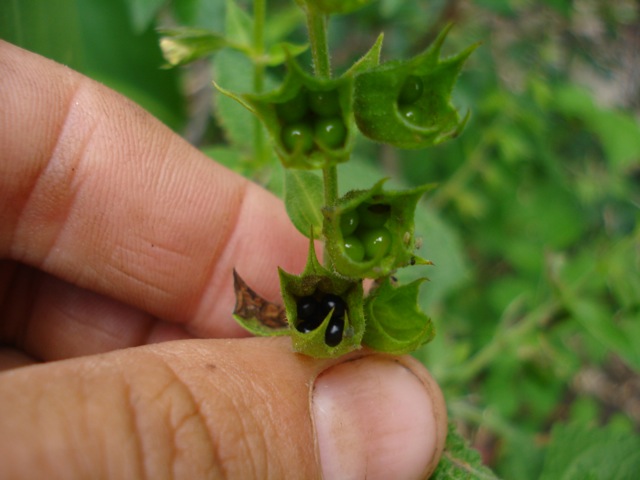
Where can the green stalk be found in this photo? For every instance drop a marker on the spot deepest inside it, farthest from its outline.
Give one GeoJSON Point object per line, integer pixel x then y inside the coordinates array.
{"type": "Point", "coordinates": [259, 18]}
{"type": "Point", "coordinates": [317, 26]}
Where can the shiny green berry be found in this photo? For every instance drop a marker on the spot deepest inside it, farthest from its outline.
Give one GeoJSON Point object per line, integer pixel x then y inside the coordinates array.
{"type": "Point", "coordinates": [348, 222]}
{"type": "Point", "coordinates": [411, 90]}
{"type": "Point", "coordinates": [354, 248]}
{"type": "Point", "coordinates": [376, 242]}
{"type": "Point", "coordinates": [293, 110]}
{"type": "Point", "coordinates": [325, 104]}
{"type": "Point", "coordinates": [297, 137]}
{"type": "Point", "coordinates": [374, 215]}
{"type": "Point", "coordinates": [330, 132]}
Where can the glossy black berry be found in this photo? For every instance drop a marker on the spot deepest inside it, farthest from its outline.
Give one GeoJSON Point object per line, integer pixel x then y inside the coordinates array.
{"type": "Point", "coordinates": [334, 331]}
{"type": "Point", "coordinates": [307, 307]}
{"type": "Point", "coordinates": [309, 324]}
{"type": "Point", "coordinates": [333, 302]}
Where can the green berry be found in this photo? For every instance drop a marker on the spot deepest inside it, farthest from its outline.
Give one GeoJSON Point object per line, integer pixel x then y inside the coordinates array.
{"type": "Point", "coordinates": [374, 215]}
{"type": "Point", "coordinates": [411, 114]}
{"type": "Point", "coordinates": [376, 242]}
{"type": "Point", "coordinates": [293, 110]}
{"type": "Point", "coordinates": [411, 90]}
{"type": "Point", "coordinates": [330, 132]}
{"type": "Point", "coordinates": [348, 222]}
{"type": "Point", "coordinates": [297, 137]}
{"type": "Point", "coordinates": [325, 104]}
{"type": "Point", "coordinates": [354, 248]}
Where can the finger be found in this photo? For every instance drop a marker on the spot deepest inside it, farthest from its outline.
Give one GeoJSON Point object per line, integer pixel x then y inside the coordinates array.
{"type": "Point", "coordinates": [220, 409]}
{"type": "Point", "coordinates": [95, 191]}
{"type": "Point", "coordinates": [65, 321]}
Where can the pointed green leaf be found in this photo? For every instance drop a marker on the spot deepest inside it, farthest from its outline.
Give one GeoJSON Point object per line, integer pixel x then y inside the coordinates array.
{"type": "Point", "coordinates": [395, 323]}
{"type": "Point", "coordinates": [303, 197]}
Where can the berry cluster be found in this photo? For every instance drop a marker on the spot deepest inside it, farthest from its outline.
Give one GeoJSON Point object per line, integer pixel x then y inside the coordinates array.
{"type": "Point", "coordinates": [311, 119]}
{"type": "Point", "coordinates": [313, 309]}
{"type": "Point", "coordinates": [364, 232]}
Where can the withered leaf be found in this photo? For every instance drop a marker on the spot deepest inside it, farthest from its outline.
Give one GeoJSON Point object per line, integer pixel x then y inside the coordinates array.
{"type": "Point", "coordinates": [256, 314]}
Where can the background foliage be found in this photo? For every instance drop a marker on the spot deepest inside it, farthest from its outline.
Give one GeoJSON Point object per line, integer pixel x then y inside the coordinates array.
{"type": "Point", "coordinates": [533, 229]}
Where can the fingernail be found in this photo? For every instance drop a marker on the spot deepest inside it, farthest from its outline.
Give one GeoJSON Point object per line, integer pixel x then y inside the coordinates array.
{"type": "Point", "coordinates": [373, 419]}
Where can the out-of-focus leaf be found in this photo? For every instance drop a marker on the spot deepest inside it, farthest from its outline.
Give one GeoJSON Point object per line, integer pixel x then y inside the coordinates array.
{"type": "Point", "coordinates": [142, 13]}
{"type": "Point", "coordinates": [617, 131]}
{"type": "Point", "coordinates": [238, 26]}
{"type": "Point", "coordinates": [577, 453]}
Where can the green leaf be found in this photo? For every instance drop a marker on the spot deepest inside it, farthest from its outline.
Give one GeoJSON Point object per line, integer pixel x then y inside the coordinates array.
{"type": "Point", "coordinates": [186, 44]}
{"type": "Point", "coordinates": [577, 452]}
{"type": "Point", "coordinates": [601, 324]}
{"type": "Point", "coordinates": [233, 69]}
{"type": "Point", "coordinates": [303, 197]}
{"type": "Point", "coordinates": [395, 323]}
{"type": "Point", "coordinates": [317, 281]}
{"type": "Point", "coordinates": [459, 461]}
{"type": "Point", "coordinates": [238, 27]}
{"type": "Point", "coordinates": [384, 114]}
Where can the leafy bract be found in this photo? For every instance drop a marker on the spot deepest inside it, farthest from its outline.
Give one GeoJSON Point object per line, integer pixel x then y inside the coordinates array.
{"type": "Point", "coordinates": [315, 280]}
{"type": "Point", "coordinates": [400, 225]}
{"type": "Point", "coordinates": [395, 323]}
{"type": "Point", "coordinates": [426, 120]}
{"type": "Point", "coordinates": [299, 83]}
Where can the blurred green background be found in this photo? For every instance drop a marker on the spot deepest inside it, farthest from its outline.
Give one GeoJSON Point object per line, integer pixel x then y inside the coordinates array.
{"type": "Point", "coordinates": [534, 228]}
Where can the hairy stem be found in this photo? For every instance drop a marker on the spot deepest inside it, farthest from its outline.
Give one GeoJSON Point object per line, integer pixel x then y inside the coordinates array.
{"type": "Point", "coordinates": [259, 16]}
{"type": "Point", "coordinates": [317, 26]}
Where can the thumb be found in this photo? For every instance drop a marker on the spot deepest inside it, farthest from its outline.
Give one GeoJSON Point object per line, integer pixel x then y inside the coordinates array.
{"type": "Point", "coordinates": [243, 408]}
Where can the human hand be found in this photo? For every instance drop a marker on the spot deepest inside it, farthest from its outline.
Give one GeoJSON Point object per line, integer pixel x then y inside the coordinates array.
{"type": "Point", "coordinates": [116, 236]}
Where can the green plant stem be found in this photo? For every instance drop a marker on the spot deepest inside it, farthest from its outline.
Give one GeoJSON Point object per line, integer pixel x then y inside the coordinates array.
{"type": "Point", "coordinates": [330, 177]}
{"type": "Point", "coordinates": [317, 27]}
{"type": "Point", "coordinates": [259, 18]}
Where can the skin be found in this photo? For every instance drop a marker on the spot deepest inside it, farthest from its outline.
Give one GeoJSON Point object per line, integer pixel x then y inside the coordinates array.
{"type": "Point", "coordinates": [119, 356]}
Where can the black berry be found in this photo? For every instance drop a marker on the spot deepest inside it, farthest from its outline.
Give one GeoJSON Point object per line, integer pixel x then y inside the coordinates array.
{"type": "Point", "coordinates": [333, 334]}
